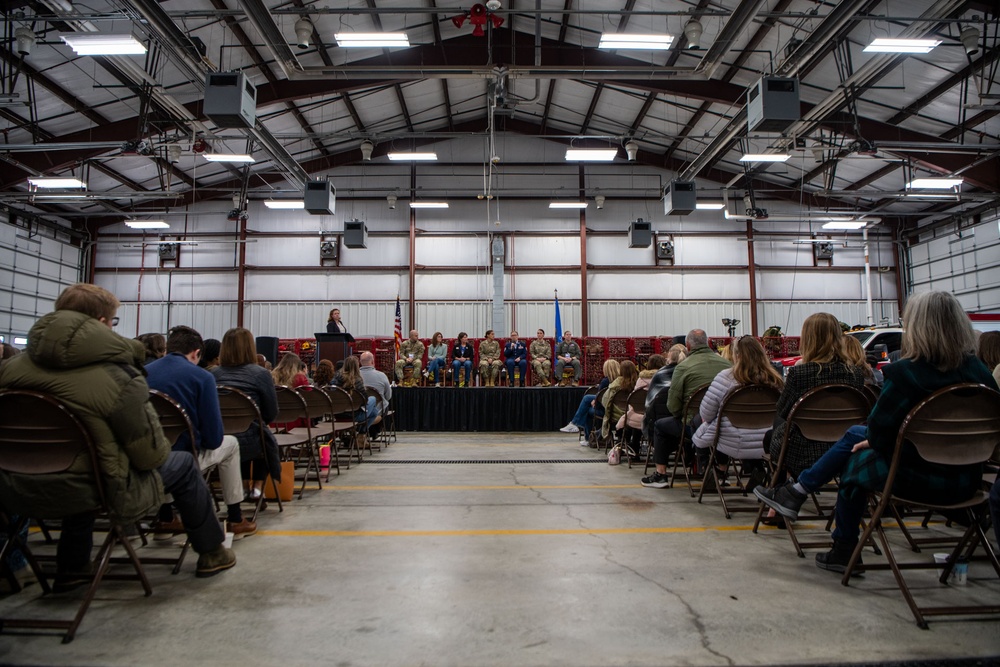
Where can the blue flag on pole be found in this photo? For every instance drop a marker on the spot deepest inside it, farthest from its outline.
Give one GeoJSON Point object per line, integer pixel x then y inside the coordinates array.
{"type": "Point", "coordinates": [559, 329]}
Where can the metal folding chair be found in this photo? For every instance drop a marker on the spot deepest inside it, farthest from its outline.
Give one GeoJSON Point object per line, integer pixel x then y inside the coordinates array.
{"type": "Point", "coordinates": [955, 426]}
{"type": "Point", "coordinates": [40, 435]}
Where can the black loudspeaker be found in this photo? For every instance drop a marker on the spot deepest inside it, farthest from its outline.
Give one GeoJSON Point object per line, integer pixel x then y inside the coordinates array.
{"type": "Point", "coordinates": [268, 346]}
{"type": "Point", "coordinates": [680, 339]}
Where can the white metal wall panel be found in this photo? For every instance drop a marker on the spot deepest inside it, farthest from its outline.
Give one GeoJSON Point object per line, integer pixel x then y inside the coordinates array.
{"type": "Point", "coordinates": [466, 250]}
{"type": "Point", "coordinates": [821, 285]}
{"type": "Point", "coordinates": [614, 251]}
{"type": "Point", "coordinates": [441, 285]}
{"type": "Point", "coordinates": [381, 251]}
{"type": "Point", "coordinates": [668, 284]}
{"type": "Point", "coordinates": [451, 317]}
{"type": "Point", "coordinates": [706, 250]}
{"type": "Point", "coordinates": [790, 315]}
{"type": "Point", "coordinates": [210, 319]}
{"type": "Point", "coordinates": [529, 285]}
{"type": "Point", "coordinates": [545, 251]}
{"type": "Point", "coordinates": [164, 285]}
{"type": "Point", "coordinates": [658, 318]}
{"type": "Point", "coordinates": [333, 286]}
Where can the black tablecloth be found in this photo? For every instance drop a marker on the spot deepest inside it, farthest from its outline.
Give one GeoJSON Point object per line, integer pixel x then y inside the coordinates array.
{"type": "Point", "coordinates": [485, 408]}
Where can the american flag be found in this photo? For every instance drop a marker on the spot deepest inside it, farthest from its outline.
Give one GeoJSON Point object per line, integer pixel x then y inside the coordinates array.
{"type": "Point", "coordinates": [398, 330]}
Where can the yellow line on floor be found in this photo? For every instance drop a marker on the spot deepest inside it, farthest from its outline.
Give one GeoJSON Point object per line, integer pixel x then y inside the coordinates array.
{"type": "Point", "coordinates": [473, 487]}
{"type": "Point", "coordinates": [487, 533]}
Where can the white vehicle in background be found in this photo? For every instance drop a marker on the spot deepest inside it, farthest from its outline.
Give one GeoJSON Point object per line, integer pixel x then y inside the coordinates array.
{"type": "Point", "coordinates": [878, 341]}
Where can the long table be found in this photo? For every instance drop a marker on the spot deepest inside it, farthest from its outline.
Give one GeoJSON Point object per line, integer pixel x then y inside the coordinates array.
{"type": "Point", "coordinates": [485, 408]}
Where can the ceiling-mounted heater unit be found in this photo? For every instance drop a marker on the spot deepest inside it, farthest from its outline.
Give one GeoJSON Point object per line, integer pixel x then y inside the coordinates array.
{"type": "Point", "coordinates": [773, 104]}
{"type": "Point", "coordinates": [320, 197]}
{"type": "Point", "coordinates": [230, 100]}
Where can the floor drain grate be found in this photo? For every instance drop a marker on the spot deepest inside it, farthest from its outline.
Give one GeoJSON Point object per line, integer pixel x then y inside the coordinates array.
{"type": "Point", "coordinates": [478, 461]}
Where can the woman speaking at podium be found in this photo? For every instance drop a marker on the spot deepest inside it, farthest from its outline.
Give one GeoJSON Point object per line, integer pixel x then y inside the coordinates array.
{"type": "Point", "coordinates": [333, 323]}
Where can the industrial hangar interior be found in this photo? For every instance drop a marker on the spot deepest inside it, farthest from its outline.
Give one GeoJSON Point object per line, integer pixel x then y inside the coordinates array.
{"type": "Point", "coordinates": [257, 163]}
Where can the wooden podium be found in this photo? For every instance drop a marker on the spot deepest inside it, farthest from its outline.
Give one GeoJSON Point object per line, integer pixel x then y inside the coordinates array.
{"type": "Point", "coordinates": [333, 346]}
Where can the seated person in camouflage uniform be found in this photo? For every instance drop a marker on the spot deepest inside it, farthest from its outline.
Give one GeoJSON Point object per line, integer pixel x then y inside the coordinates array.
{"type": "Point", "coordinates": [489, 360]}
{"type": "Point", "coordinates": [541, 359]}
{"type": "Point", "coordinates": [411, 352]}
{"type": "Point", "coordinates": [568, 352]}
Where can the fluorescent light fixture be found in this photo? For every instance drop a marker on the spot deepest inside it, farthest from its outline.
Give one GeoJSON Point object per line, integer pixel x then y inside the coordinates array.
{"type": "Point", "coordinates": [228, 157]}
{"type": "Point", "coordinates": [591, 154]}
{"type": "Point", "coordinates": [147, 224]}
{"type": "Point", "coordinates": [846, 224]}
{"type": "Point", "coordinates": [896, 45]}
{"type": "Point", "coordinates": [91, 44]}
{"type": "Point", "coordinates": [765, 157]}
{"type": "Point", "coordinates": [934, 183]}
{"type": "Point", "coordinates": [388, 40]}
{"type": "Point", "coordinates": [568, 204]}
{"type": "Point", "coordinates": [644, 42]}
{"type": "Point", "coordinates": [929, 195]}
{"type": "Point", "coordinates": [56, 182]}
{"type": "Point", "coordinates": [415, 157]}
{"type": "Point", "coordinates": [710, 205]}
{"type": "Point", "coordinates": [285, 203]}
{"type": "Point", "coordinates": [428, 204]}
{"type": "Point", "coordinates": [20, 340]}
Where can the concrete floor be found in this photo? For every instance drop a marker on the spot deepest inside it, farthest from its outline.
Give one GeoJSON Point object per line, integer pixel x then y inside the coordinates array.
{"type": "Point", "coordinates": [504, 564]}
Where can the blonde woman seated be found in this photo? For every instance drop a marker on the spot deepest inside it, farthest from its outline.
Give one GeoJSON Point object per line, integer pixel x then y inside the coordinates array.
{"type": "Point", "coordinates": [854, 354]}
{"type": "Point", "coordinates": [349, 377]}
{"type": "Point", "coordinates": [631, 418]}
{"type": "Point", "coordinates": [750, 367]}
{"type": "Point", "coordinates": [589, 409]}
{"type": "Point", "coordinates": [625, 382]}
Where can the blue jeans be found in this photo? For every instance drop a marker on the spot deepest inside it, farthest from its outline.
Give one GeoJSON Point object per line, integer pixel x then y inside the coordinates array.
{"type": "Point", "coordinates": [182, 479]}
{"type": "Point", "coordinates": [510, 363]}
{"type": "Point", "coordinates": [833, 462]}
{"type": "Point", "coordinates": [456, 365]}
{"type": "Point", "coordinates": [434, 367]}
{"type": "Point", "coordinates": [371, 412]}
{"type": "Point", "coordinates": [584, 414]}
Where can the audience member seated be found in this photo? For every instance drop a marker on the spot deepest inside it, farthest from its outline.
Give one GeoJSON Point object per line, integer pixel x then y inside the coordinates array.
{"type": "Point", "coordinates": [349, 377]}
{"type": "Point", "coordinates": [238, 369]}
{"type": "Point", "coordinates": [177, 375]}
{"type": "Point", "coordinates": [411, 354]}
{"type": "Point", "coordinates": [378, 381]}
{"type": "Point", "coordinates": [568, 352]}
{"type": "Point", "coordinates": [290, 372]}
{"type": "Point", "coordinates": [155, 345]}
{"type": "Point", "coordinates": [73, 354]}
{"type": "Point", "coordinates": [541, 359]}
{"type": "Point", "coordinates": [437, 358]}
{"type": "Point", "coordinates": [515, 355]}
{"type": "Point", "coordinates": [989, 352]}
{"type": "Point", "coordinates": [750, 367]}
{"type": "Point", "coordinates": [854, 355]}
{"type": "Point", "coordinates": [699, 368]}
{"type": "Point", "coordinates": [877, 378]}
{"type": "Point", "coordinates": [210, 354]}
{"type": "Point", "coordinates": [461, 360]}
{"type": "Point", "coordinates": [624, 384]}
{"type": "Point", "coordinates": [823, 362]}
{"type": "Point", "coordinates": [323, 375]}
{"type": "Point", "coordinates": [658, 383]}
{"type": "Point", "coordinates": [937, 351]}
{"type": "Point", "coordinates": [9, 351]}
{"type": "Point", "coordinates": [631, 418]}
{"type": "Point", "coordinates": [590, 410]}
{"type": "Point", "coordinates": [489, 360]}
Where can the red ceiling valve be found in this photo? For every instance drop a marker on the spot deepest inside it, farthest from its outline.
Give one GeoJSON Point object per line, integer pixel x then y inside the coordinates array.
{"type": "Point", "coordinates": [199, 146]}
{"type": "Point", "coordinates": [478, 16]}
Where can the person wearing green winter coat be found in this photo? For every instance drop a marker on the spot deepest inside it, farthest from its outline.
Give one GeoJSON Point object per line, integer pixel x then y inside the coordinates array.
{"type": "Point", "coordinates": [74, 355]}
